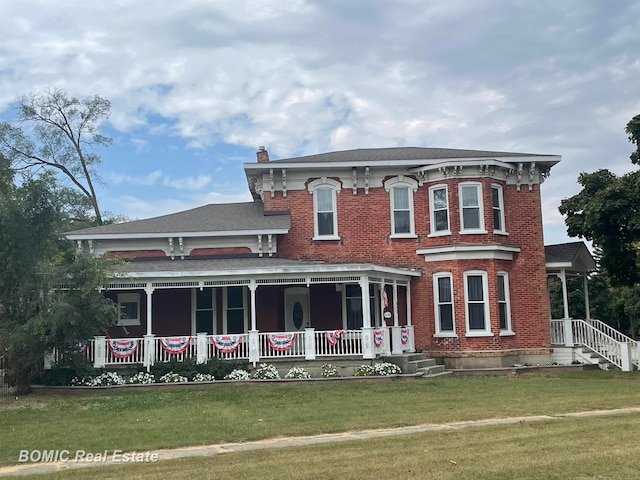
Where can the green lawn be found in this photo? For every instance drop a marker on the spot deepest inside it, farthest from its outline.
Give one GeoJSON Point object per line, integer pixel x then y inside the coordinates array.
{"type": "Point", "coordinates": [153, 419]}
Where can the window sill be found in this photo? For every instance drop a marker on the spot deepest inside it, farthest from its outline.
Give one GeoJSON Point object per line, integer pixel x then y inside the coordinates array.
{"type": "Point", "coordinates": [443, 233]}
{"type": "Point", "coordinates": [507, 333]}
{"type": "Point", "coordinates": [479, 334]}
{"type": "Point", "coordinates": [403, 235]}
{"type": "Point", "coordinates": [473, 232]}
{"type": "Point", "coordinates": [500, 232]}
{"type": "Point", "coordinates": [128, 323]}
{"type": "Point", "coordinates": [445, 335]}
{"type": "Point", "coordinates": [327, 237]}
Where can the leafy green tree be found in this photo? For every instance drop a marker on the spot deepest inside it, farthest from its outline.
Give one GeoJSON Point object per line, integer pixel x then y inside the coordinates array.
{"type": "Point", "coordinates": [58, 132]}
{"type": "Point", "coordinates": [49, 297]}
{"type": "Point", "coordinates": [607, 212]}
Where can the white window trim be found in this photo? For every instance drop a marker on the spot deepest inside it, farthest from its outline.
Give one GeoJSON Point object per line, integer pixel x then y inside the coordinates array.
{"type": "Point", "coordinates": [335, 187]}
{"type": "Point", "coordinates": [436, 306]}
{"type": "Point", "coordinates": [402, 182]}
{"type": "Point", "coordinates": [194, 309]}
{"type": "Point", "coordinates": [486, 332]}
{"type": "Point", "coordinates": [481, 229]}
{"type": "Point", "coordinates": [432, 215]}
{"type": "Point", "coordinates": [375, 312]}
{"type": "Point", "coordinates": [225, 327]}
{"type": "Point", "coordinates": [509, 330]}
{"type": "Point", "coordinates": [129, 298]}
{"type": "Point", "coordinates": [503, 230]}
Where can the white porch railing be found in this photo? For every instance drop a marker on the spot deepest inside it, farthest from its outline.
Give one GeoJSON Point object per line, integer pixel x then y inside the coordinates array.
{"type": "Point", "coordinates": [619, 336]}
{"type": "Point", "coordinates": [571, 332]}
{"type": "Point", "coordinates": [253, 346]}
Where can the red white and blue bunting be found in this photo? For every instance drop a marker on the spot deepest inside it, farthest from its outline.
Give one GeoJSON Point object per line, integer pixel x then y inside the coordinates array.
{"type": "Point", "coordinates": [226, 343]}
{"type": "Point", "coordinates": [281, 341]}
{"type": "Point", "coordinates": [404, 336]}
{"type": "Point", "coordinates": [175, 345]}
{"type": "Point", "coordinates": [333, 336]}
{"type": "Point", "coordinates": [122, 348]}
{"type": "Point", "coordinates": [378, 337]}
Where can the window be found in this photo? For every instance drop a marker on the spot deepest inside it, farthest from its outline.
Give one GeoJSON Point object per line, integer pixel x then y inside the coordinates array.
{"type": "Point", "coordinates": [497, 204]}
{"type": "Point", "coordinates": [235, 320]}
{"type": "Point", "coordinates": [471, 214]}
{"type": "Point", "coordinates": [477, 307]}
{"type": "Point", "coordinates": [325, 216]}
{"type": "Point", "coordinates": [204, 312]}
{"type": "Point", "coordinates": [128, 309]}
{"type": "Point", "coordinates": [503, 303]}
{"type": "Point", "coordinates": [443, 305]}
{"type": "Point", "coordinates": [401, 191]}
{"type": "Point", "coordinates": [353, 306]}
{"type": "Point", "coordinates": [439, 210]}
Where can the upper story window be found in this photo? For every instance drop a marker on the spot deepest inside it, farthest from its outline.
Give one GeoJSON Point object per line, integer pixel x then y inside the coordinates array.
{"type": "Point", "coordinates": [401, 199]}
{"type": "Point", "coordinates": [476, 304]}
{"type": "Point", "coordinates": [497, 203]}
{"type": "Point", "coordinates": [128, 309]}
{"type": "Point", "coordinates": [325, 213]}
{"type": "Point", "coordinates": [471, 211]}
{"type": "Point", "coordinates": [443, 305]}
{"type": "Point", "coordinates": [504, 307]}
{"type": "Point", "coordinates": [439, 210]}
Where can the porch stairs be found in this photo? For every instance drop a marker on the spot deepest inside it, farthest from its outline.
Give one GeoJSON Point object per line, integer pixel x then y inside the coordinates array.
{"type": "Point", "coordinates": [418, 364]}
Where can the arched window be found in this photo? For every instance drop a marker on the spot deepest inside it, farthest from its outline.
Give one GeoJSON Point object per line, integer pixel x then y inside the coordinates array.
{"type": "Point", "coordinates": [325, 212]}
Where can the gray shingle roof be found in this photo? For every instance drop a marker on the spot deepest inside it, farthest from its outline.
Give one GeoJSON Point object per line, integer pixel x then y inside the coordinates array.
{"type": "Point", "coordinates": [208, 218]}
{"type": "Point", "coordinates": [575, 253]}
{"type": "Point", "coordinates": [399, 153]}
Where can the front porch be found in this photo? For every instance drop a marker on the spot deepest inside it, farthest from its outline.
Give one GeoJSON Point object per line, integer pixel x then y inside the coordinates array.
{"type": "Point", "coordinates": [254, 347]}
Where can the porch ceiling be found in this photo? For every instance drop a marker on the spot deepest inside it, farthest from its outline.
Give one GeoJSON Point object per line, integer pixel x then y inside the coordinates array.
{"type": "Point", "coordinates": [195, 269]}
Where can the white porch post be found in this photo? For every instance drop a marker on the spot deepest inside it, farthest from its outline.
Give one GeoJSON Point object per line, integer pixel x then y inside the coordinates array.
{"type": "Point", "coordinates": [149, 351]}
{"type": "Point", "coordinates": [149, 291]}
{"type": "Point", "coordinates": [254, 336]}
{"type": "Point", "coordinates": [396, 330]}
{"type": "Point", "coordinates": [568, 332]}
{"type": "Point", "coordinates": [252, 289]}
{"type": "Point", "coordinates": [625, 357]}
{"type": "Point", "coordinates": [100, 354]}
{"type": "Point", "coordinates": [310, 343]}
{"type": "Point", "coordinates": [367, 332]}
{"type": "Point", "coordinates": [202, 352]}
{"type": "Point", "coordinates": [411, 344]}
{"type": "Point", "coordinates": [565, 297]}
{"type": "Point", "coordinates": [587, 310]}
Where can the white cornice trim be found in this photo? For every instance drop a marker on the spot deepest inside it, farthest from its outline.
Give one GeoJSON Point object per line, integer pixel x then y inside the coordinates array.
{"type": "Point", "coordinates": [124, 236]}
{"type": "Point", "coordinates": [468, 252]}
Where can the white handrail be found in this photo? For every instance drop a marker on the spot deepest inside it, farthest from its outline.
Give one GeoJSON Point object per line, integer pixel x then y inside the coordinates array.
{"type": "Point", "coordinates": [604, 345]}
{"type": "Point", "coordinates": [619, 336]}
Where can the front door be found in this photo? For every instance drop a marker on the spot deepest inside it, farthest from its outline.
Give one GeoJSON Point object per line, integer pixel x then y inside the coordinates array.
{"type": "Point", "coordinates": [296, 309]}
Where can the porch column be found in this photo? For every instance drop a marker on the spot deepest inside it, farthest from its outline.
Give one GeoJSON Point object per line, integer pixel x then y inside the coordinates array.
{"type": "Point", "coordinates": [367, 332]}
{"type": "Point", "coordinates": [587, 311]}
{"type": "Point", "coordinates": [396, 330]}
{"type": "Point", "coordinates": [408, 295]}
{"type": "Point", "coordinates": [149, 291]}
{"type": "Point", "coordinates": [100, 352]}
{"type": "Point", "coordinates": [252, 289]}
{"type": "Point", "coordinates": [565, 297]}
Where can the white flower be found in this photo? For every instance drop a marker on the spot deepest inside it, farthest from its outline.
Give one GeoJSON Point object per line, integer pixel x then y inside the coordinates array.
{"type": "Point", "coordinates": [203, 377]}
{"type": "Point", "coordinates": [266, 372]}
{"type": "Point", "coordinates": [387, 368]}
{"type": "Point", "coordinates": [297, 372]}
{"type": "Point", "coordinates": [142, 378]}
{"type": "Point", "coordinates": [329, 371]}
{"type": "Point", "coordinates": [173, 378]}
{"type": "Point", "coordinates": [237, 374]}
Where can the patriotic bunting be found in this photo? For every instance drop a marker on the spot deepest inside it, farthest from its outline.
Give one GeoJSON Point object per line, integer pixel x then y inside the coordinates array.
{"type": "Point", "coordinates": [404, 336]}
{"type": "Point", "coordinates": [175, 345]}
{"type": "Point", "coordinates": [122, 348]}
{"type": "Point", "coordinates": [333, 336]}
{"type": "Point", "coordinates": [281, 341]}
{"type": "Point", "coordinates": [226, 343]}
{"type": "Point", "coordinates": [378, 336]}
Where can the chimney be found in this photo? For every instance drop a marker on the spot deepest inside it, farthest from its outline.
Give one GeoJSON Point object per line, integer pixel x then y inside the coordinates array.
{"type": "Point", "coordinates": [262, 154]}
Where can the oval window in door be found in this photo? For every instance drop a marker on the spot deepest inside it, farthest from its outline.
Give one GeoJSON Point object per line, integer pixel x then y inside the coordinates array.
{"type": "Point", "coordinates": [298, 315]}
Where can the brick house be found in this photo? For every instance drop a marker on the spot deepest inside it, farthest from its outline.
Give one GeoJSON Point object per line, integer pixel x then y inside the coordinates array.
{"type": "Point", "coordinates": [447, 244]}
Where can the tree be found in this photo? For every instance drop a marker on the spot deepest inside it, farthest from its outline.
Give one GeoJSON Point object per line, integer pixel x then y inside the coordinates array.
{"type": "Point", "coordinates": [58, 132]}
{"type": "Point", "coordinates": [49, 297]}
{"type": "Point", "coordinates": [607, 212]}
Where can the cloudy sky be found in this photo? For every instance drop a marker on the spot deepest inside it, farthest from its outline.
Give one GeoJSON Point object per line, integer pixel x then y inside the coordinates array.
{"type": "Point", "coordinates": [196, 86]}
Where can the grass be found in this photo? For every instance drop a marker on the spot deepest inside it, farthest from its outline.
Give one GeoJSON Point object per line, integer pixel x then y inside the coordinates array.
{"type": "Point", "coordinates": [154, 419]}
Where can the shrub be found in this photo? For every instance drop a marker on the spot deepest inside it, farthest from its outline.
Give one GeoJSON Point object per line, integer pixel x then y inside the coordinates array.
{"type": "Point", "coordinates": [172, 377]}
{"type": "Point", "coordinates": [297, 372]}
{"type": "Point", "coordinates": [72, 366]}
{"type": "Point", "coordinates": [186, 369]}
{"type": "Point", "coordinates": [237, 375]}
{"type": "Point", "coordinates": [220, 368]}
{"type": "Point", "coordinates": [364, 371]}
{"type": "Point", "coordinates": [387, 368]}
{"type": "Point", "coordinates": [266, 372]}
{"type": "Point", "coordinates": [329, 371]}
{"type": "Point", "coordinates": [107, 379]}
{"type": "Point", "coordinates": [203, 377]}
{"type": "Point", "coordinates": [142, 378]}
{"type": "Point", "coordinates": [215, 367]}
